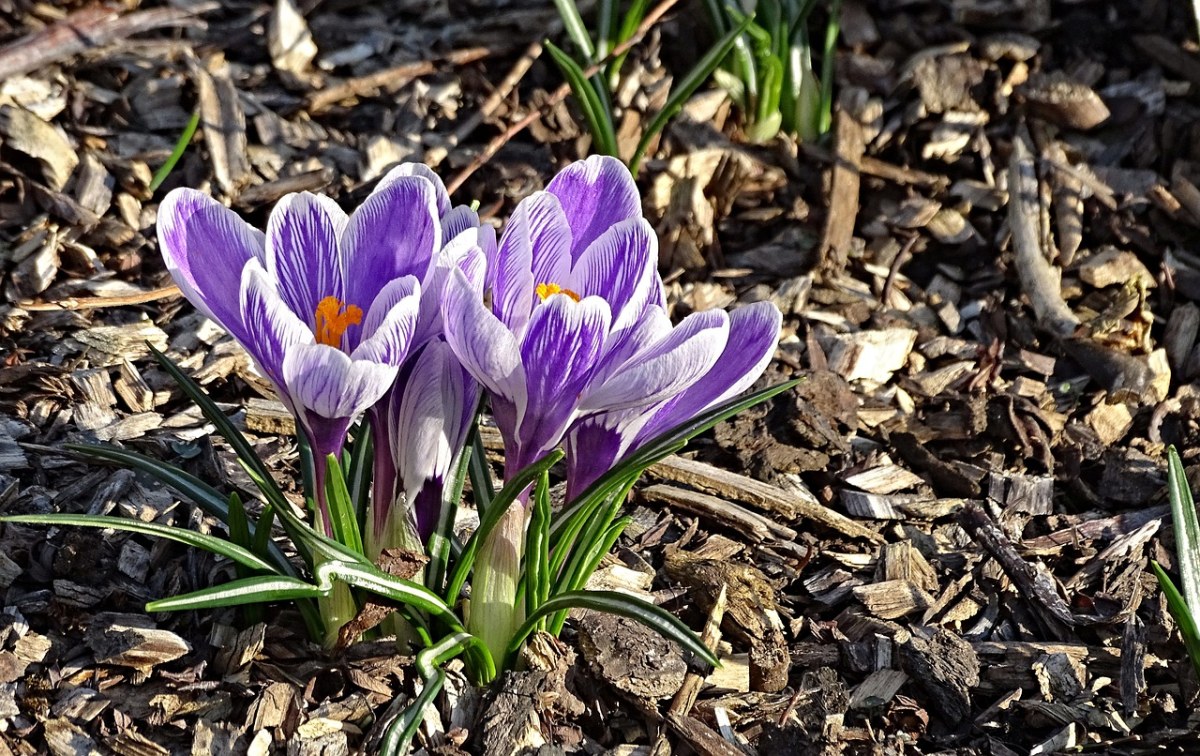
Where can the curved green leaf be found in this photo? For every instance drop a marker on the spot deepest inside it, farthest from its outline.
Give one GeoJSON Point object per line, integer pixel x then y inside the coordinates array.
{"type": "Point", "coordinates": [253, 590]}
{"type": "Point", "coordinates": [657, 619]}
{"type": "Point", "coordinates": [598, 117]}
{"type": "Point", "coordinates": [216, 545]}
{"type": "Point", "coordinates": [1182, 614]}
{"type": "Point", "coordinates": [1187, 530]}
{"type": "Point", "coordinates": [699, 74]}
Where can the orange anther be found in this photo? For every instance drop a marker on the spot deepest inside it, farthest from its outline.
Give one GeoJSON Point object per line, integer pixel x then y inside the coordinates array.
{"type": "Point", "coordinates": [545, 290]}
{"type": "Point", "coordinates": [333, 318]}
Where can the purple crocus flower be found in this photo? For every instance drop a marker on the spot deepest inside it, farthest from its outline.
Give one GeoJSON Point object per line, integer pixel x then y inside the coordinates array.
{"type": "Point", "coordinates": [326, 304]}
{"type": "Point", "coordinates": [578, 334]}
{"type": "Point", "coordinates": [421, 424]}
{"type": "Point", "coordinates": [578, 337]}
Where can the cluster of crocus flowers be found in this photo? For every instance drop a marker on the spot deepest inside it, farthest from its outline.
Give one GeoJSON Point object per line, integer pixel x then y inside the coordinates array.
{"type": "Point", "coordinates": [401, 310]}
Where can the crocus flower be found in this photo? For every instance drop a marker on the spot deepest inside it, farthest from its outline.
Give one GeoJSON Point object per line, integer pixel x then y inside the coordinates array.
{"type": "Point", "coordinates": [420, 426]}
{"type": "Point", "coordinates": [326, 304]}
{"type": "Point", "coordinates": [578, 335]}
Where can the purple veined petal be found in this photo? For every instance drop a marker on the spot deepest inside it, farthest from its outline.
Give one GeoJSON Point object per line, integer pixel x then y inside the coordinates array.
{"type": "Point", "coordinates": [205, 246]}
{"type": "Point", "coordinates": [389, 296]}
{"type": "Point", "coordinates": [389, 342]}
{"type": "Point", "coordinates": [593, 446]}
{"type": "Point", "coordinates": [491, 254]}
{"type": "Point", "coordinates": [624, 345]}
{"type": "Point", "coordinates": [325, 382]}
{"type": "Point", "coordinates": [560, 351]}
{"type": "Point", "coordinates": [622, 266]}
{"type": "Point", "coordinates": [666, 367]}
{"type": "Point", "coordinates": [458, 220]}
{"type": "Point", "coordinates": [534, 249]}
{"type": "Point", "coordinates": [271, 329]}
{"type": "Point", "coordinates": [393, 234]}
{"type": "Point", "coordinates": [404, 170]}
{"type": "Point", "coordinates": [427, 426]}
{"type": "Point", "coordinates": [596, 194]}
{"type": "Point", "coordinates": [487, 349]}
{"type": "Point", "coordinates": [463, 252]}
{"type": "Point", "coordinates": [753, 336]}
{"type": "Point", "coordinates": [302, 252]}
{"type": "Point", "coordinates": [550, 236]}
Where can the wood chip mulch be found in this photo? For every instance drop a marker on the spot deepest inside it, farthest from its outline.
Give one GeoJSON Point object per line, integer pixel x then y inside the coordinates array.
{"type": "Point", "coordinates": [937, 543]}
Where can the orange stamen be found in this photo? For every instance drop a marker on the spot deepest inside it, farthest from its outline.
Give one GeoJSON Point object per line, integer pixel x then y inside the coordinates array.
{"type": "Point", "coordinates": [546, 290]}
{"type": "Point", "coordinates": [333, 318]}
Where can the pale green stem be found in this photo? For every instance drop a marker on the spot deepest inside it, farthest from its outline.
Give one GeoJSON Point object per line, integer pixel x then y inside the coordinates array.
{"type": "Point", "coordinates": [339, 606]}
{"type": "Point", "coordinates": [494, 612]}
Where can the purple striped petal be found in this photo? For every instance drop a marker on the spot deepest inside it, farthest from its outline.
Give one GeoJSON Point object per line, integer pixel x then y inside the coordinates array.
{"type": "Point", "coordinates": [393, 234]}
{"type": "Point", "coordinates": [753, 335]}
{"type": "Point", "coordinates": [666, 367]}
{"type": "Point", "coordinates": [390, 324]}
{"type": "Point", "coordinates": [487, 349]}
{"type": "Point", "coordinates": [560, 351]}
{"type": "Point", "coordinates": [302, 252]}
{"type": "Point", "coordinates": [205, 246]}
{"type": "Point", "coordinates": [459, 220]}
{"type": "Point", "coordinates": [622, 267]}
{"type": "Point", "coordinates": [462, 252]}
{"type": "Point", "coordinates": [596, 194]}
{"type": "Point", "coordinates": [428, 427]}
{"type": "Point", "coordinates": [534, 249]}
{"type": "Point", "coordinates": [271, 328]}
{"type": "Point", "coordinates": [326, 383]}
{"type": "Point", "coordinates": [593, 447]}
{"type": "Point", "coordinates": [405, 170]}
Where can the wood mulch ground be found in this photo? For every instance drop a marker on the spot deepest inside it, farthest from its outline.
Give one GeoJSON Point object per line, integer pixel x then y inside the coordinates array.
{"type": "Point", "coordinates": [937, 543]}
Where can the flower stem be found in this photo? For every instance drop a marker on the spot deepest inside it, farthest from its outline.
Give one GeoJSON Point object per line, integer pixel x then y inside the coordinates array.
{"type": "Point", "coordinates": [495, 613]}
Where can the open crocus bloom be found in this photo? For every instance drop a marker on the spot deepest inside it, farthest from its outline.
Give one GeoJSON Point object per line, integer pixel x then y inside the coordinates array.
{"type": "Point", "coordinates": [326, 304]}
{"type": "Point", "coordinates": [578, 333]}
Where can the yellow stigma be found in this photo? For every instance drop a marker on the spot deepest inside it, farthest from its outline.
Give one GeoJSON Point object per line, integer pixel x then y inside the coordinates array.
{"type": "Point", "coordinates": [333, 318]}
{"type": "Point", "coordinates": [546, 290]}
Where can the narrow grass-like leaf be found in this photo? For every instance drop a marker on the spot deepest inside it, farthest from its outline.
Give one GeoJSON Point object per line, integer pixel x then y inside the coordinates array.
{"type": "Point", "coordinates": [1182, 614]}
{"type": "Point", "coordinates": [342, 512]}
{"type": "Point", "coordinates": [699, 74]}
{"type": "Point", "coordinates": [595, 553]}
{"type": "Point", "coordinates": [606, 22]}
{"type": "Point", "coordinates": [241, 447]}
{"type": "Point", "coordinates": [398, 737]}
{"type": "Point", "coordinates": [629, 26]}
{"type": "Point", "coordinates": [213, 544]}
{"type": "Point", "coordinates": [576, 29]}
{"type": "Point", "coordinates": [239, 527]}
{"type": "Point", "coordinates": [441, 541]}
{"type": "Point", "coordinates": [1187, 530]}
{"type": "Point", "coordinates": [598, 117]}
{"type": "Point", "coordinates": [487, 523]}
{"type": "Point", "coordinates": [255, 590]}
{"type": "Point", "coordinates": [359, 472]}
{"type": "Point", "coordinates": [190, 487]}
{"type": "Point", "coordinates": [181, 146]}
{"type": "Point", "coordinates": [827, 64]}
{"type": "Point", "coordinates": [483, 488]}
{"type": "Point", "coordinates": [611, 602]}
{"type": "Point", "coordinates": [537, 557]}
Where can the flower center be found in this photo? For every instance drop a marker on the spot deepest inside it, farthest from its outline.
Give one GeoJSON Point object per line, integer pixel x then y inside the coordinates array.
{"type": "Point", "coordinates": [333, 318]}
{"type": "Point", "coordinates": [547, 290]}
